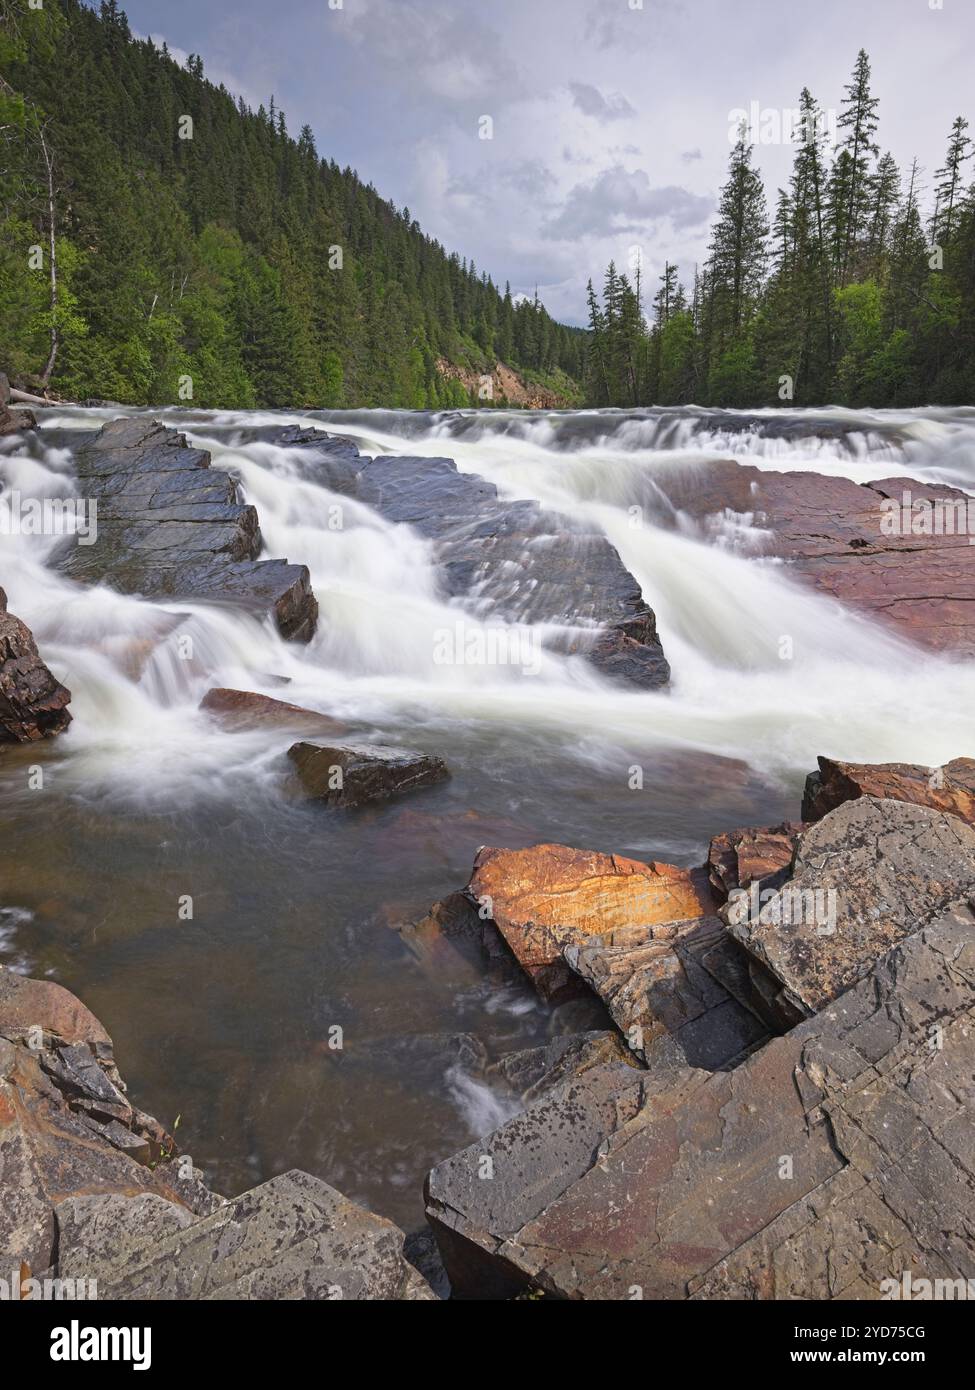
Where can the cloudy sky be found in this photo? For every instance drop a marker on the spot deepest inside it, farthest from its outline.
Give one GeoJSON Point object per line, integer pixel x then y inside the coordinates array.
{"type": "Point", "coordinates": [609, 118]}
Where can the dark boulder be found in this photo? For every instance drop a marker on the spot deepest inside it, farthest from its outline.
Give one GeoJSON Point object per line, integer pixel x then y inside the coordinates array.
{"type": "Point", "coordinates": [171, 527]}
{"type": "Point", "coordinates": [349, 777]}
{"type": "Point", "coordinates": [33, 704]}
{"type": "Point", "coordinates": [513, 561]}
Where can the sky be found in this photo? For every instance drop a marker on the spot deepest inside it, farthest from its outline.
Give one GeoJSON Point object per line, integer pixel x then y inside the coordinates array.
{"type": "Point", "coordinates": [541, 138]}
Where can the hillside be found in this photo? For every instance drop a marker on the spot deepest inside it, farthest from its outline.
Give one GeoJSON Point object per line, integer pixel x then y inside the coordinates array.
{"type": "Point", "coordinates": [217, 260]}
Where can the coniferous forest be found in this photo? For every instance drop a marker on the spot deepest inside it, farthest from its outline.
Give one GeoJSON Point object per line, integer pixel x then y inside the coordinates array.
{"type": "Point", "coordinates": [223, 257]}
{"type": "Point", "coordinates": [161, 242]}
{"type": "Point", "coordinates": [858, 289]}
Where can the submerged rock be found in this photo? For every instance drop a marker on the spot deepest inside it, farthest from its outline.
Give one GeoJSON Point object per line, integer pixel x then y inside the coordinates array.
{"type": "Point", "coordinates": [33, 705]}
{"type": "Point", "coordinates": [349, 777]}
{"type": "Point", "coordinates": [241, 710]}
{"type": "Point", "coordinates": [949, 788]}
{"type": "Point", "coordinates": [171, 527]}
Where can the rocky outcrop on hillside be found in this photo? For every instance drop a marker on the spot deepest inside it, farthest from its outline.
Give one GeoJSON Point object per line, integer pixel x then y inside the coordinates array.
{"type": "Point", "coordinates": [33, 705]}
{"type": "Point", "coordinates": [504, 385]}
{"type": "Point", "coordinates": [840, 537]}
{"type": "Point", "coordinates": [171, 527]}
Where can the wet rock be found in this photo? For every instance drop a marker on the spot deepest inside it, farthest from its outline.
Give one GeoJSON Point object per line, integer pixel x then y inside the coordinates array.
{"type": "Point", "coordinates": [171, 527]}
{"type": "Point", "coordinates": [534, 1070]}
{"type": "Point", "coordinates": [865, 876]}
{"type": "Point", "coordinates": [239, 710]}
{"type": "Point", "coordinates": [93, 1189]}
{"type": "Point", "coordinates": [949, 788]}
{"type": "Point", "coordinates": [453, 942]}
{"type": "Point", "coordinates": [351, 777]}
{"type": "Point", "coordinates": [293, 1237]}
{"type": "Point", "coordinates": [548, 897]}
{"type": "Point", "coordinates": [833, 1158]}
{"type": "Point", "coordinates": [511, 560]}
{"type": "Point", "coordinates": [659, 989]}
{"type": "Point", "coordinates": [833, 534]}
{"type": "Point", "coordinates": [33, 705]}
{"type": "Point", "coordinates": [739, 858]}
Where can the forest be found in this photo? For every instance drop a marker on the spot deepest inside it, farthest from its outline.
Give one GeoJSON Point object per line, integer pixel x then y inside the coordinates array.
{"type": "Point", "coordinates": [162, 243]}
{"type": "Point", "coordinates": [852, 292]}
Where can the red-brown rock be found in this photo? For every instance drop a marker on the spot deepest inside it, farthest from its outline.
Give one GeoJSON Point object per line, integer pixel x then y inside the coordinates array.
{"type": "Point", "coordinates": [831, 531]}
{"type": "Point", "coordinates": [245, 709]}
{"type": "Point", "coordinates": [547, 897]}
{"type": "Point", "coordinates": [950, 788]}
{"type": "Point", "coordinates": [739, 858]}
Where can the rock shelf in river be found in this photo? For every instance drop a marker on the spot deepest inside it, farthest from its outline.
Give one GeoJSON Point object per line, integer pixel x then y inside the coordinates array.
{"type": "Point", "coordinates": [171, 527]}
{"type": "Point", "coordinates": [506, 560]}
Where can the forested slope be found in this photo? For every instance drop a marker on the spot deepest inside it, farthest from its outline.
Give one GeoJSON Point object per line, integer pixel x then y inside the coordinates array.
{"type": "Point", "coordinates": [218, 259]}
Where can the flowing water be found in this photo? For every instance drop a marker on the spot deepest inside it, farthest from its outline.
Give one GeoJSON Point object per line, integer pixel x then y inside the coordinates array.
{"type": "Point", "coordinates": [226, 1019]}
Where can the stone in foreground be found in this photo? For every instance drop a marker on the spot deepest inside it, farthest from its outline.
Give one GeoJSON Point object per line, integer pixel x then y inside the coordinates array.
{"type": "Point", "coordinates": [33, 705]}
{"type": "Point", "coordinates": [949, 788]}
{"type": "Point", "coordinates": [867, 875]}
{"type": "Point", "coordinates": [351, 777]}
{"type": "Point", "coordinates": [547, 897]}
{"type": "Point", "coordinates": [834, 1158]}
{"type": "Point", "coordinates": [293, 1237]}
{"type": "Point", "coordinates": [740, 858]}
{"type": "Point", "coordinates": [66, 1124]}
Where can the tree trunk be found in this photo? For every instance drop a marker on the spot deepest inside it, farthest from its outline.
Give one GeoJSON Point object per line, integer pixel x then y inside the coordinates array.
{"type": "Point", "coordinates": [53, 257]}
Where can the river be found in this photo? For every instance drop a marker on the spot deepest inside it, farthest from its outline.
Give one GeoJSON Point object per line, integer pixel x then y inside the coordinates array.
{"type": "Point", "coordinates": [225, 1019]}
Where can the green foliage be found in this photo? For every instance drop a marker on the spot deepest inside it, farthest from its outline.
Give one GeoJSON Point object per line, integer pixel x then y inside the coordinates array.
{"type": "Point", "coordinates": [842, 300]}
{"type": "Point", "coordinates": [237, 259]}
